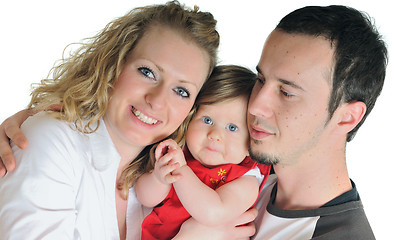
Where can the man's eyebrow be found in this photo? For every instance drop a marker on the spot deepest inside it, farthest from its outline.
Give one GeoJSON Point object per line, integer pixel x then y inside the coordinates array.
{"type": "Point", "coordinates": [286, 82]}
{"type": "Point", "coordinates": [291, 84]}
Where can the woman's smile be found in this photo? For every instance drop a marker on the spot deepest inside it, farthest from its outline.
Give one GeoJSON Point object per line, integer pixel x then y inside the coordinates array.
{"type": "Point", "coordinates": [143, 117]}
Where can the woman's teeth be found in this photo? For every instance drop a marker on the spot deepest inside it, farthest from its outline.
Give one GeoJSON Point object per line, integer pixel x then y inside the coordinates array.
{"type": "Point", "coordinates": [144, 118]}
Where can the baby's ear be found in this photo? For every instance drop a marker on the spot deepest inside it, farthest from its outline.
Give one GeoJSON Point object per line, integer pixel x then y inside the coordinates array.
{"type": "Point", "coordinates": [350, 114]}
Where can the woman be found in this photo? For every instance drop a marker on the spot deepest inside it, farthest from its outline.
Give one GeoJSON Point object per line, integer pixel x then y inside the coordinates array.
{"type": "Point", "coordinates": [131, 86]}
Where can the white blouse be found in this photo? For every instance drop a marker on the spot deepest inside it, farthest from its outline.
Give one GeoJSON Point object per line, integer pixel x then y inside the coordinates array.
{"type": "Point", "coordinates": [63, 186]}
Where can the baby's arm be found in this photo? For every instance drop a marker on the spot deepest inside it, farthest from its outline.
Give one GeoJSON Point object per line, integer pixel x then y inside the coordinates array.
{"type": "Point", "coordinates": [210, 207]}
{"type": "Point", "coordinates": [240, 228]}
{"type": "Point", "coordinates": [151, 188]}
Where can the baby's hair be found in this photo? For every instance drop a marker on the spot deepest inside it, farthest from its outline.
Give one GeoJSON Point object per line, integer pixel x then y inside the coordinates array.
{"type": "Point", "coordinates": [226, 82]}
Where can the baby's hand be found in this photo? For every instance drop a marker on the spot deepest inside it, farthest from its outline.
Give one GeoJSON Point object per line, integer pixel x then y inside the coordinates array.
{"type": "Point", "coordinates": [169, 156]}
{"type": "Point", "coordinates": [171, 148]}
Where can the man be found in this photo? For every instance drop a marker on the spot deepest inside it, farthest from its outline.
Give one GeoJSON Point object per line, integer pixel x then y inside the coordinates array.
{"type": "Point", "coordinates": [320, 73]}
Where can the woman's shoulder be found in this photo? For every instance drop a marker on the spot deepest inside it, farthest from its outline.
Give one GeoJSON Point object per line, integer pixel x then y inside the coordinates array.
{"type": "Point", "coordinates": [43, 124]}
{"type": "Point", "coordinates": [42, 130]}
{"type": "Point", "coordinates": [42, 121]}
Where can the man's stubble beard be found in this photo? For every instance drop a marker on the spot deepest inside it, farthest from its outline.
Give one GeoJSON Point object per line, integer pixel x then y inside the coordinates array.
{"type": "Point", "coordinates": [261, 157]}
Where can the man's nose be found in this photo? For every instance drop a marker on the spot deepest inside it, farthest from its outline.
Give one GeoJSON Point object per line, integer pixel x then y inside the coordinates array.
{"type": "Point", "coordinates": [262, 101]}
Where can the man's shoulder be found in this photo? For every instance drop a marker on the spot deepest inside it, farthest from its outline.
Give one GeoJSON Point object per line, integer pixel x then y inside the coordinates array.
{"type": "Point", "coordinates": [343, 221]}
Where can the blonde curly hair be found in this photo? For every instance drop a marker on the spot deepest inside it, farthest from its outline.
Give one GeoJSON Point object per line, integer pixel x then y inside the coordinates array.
{"type": "Point", "coordinates": [82, 82]}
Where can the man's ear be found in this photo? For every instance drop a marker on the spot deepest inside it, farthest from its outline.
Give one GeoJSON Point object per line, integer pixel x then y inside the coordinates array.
{"type": "Point", "coordinates": [350, 115]}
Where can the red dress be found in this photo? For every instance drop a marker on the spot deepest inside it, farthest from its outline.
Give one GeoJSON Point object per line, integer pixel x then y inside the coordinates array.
{"type": "Point", "coordinates": [166, 218]}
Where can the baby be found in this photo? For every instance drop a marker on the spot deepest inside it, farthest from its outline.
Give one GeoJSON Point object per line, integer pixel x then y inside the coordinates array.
{"type": "Point", "coordinates": [213, 180]}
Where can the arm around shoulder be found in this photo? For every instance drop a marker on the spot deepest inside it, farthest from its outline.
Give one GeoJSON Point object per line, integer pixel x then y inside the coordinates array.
{"type": "Point", "coordinates": [10, 129]}
{"type": "Point", "coordinates": [38, 197]}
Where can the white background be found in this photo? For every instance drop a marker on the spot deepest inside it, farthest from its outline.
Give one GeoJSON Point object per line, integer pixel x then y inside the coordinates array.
{"type": "Point", "coordinates": [33, 35]}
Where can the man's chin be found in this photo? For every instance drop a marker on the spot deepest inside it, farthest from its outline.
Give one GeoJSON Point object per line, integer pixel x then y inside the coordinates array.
{"type": "Point", "coordinates": [263, 158]}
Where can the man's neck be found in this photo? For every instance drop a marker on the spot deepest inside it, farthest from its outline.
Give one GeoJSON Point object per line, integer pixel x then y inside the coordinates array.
{"type": "Point", "coordinates": [312, 182]}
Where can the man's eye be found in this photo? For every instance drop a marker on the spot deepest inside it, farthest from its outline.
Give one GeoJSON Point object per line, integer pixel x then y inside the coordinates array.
{"type": "Point", "coordinates": [232, 127]}
{"type": "Point", "coordinates": [286, 94]}
{"type": "Point", "coordinates": [261, 80]}
{"type": "Point", "coordinates": [147, 72]}
{"type": "Point", "coordinates": [207, 120]}
{"type": "Point", "coordinates": [182, 92]}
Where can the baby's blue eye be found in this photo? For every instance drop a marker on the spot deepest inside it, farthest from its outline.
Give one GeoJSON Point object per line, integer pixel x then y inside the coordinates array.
{"type": "Point", "coordinates": [207, 120]}
{"type": "Point", "coordinates": [232, 127]}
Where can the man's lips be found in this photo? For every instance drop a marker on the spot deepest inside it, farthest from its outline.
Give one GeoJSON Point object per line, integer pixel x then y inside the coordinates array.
{"type": "Point", "coordinates": [258, 133]}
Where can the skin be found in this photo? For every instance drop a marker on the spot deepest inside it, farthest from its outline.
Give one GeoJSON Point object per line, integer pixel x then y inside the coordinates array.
{"type": "Point", "coordinates": [155, 90]}
{"type": "Point", "coordinates": [214, 132]}
{"type": "Point", "coordinates": [311, 178]}
{"type": "Point", "coordinates": [154, 93]}
{"type": "Point", "coordinates": [190, 229]}
{"type": "Point", "coordinates": [288, 120]}
{"type": "Point", "coordinates": [214, 137]}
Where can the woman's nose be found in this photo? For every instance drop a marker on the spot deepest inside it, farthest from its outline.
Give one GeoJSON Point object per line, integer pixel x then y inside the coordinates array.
{"type": "Point", "coordinates": [157, 97]}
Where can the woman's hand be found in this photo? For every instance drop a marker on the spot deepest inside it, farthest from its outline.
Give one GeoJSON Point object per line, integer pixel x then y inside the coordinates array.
{"type": "Point", "coordinates": [10, 130]}
{"type": "Point", "coordinates": [240, 228]}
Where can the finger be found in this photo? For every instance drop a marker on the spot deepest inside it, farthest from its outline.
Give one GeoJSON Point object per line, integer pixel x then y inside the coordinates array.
{"type": "Point", "coordinates": [6, 155]}
{"type": "Point", "coordinates": [246, 217]}
{"type": "Point", "coordinates": [164, 160]}
{"type": "Point", "coordinates": [3, 170]}
{"type": "Point", "coordinates": [56, 107]}
{"type": "Point", "coordinates": [245, 231]}
{"type": "Point", "coordinates": [161, 150]}
{"type": "Point", "coordinates": [12, 127]}
{"type": "Point", "coordinates": [168, 168]}
{"type": "Point", "coordinates": [170, 178]}
{"type": "Point", "coordinates": [172, 145]}
{"type": "Point", "coordinates": [13, 131]}
{"type": "Point", "coordinates": [7, 164]}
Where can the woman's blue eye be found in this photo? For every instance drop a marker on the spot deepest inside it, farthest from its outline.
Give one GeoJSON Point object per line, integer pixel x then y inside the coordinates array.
{"type": "Point", "coordinates": [207, 120]}
{"type": "Point", "coordinates": [147, 72]}
{"type": "Point", "coordinates": [232, 127]}
{"type": "Point", "coordinates": [182, 92]}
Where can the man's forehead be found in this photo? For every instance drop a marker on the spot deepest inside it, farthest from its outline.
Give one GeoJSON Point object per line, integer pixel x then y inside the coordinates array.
{"type": "Point", "coordinates": [291, 57]}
